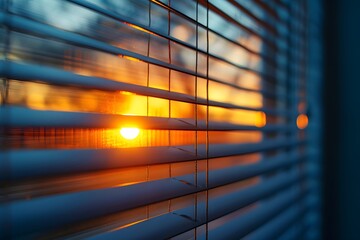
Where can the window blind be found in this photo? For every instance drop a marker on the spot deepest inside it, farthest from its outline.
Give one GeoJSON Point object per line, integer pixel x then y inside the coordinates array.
{"type": "Point", "coordinates": [158, 119]}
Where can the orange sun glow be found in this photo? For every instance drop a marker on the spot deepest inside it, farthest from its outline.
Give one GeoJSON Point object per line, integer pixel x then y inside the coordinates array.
{"type": "Point", "coordinates": [129, 133]}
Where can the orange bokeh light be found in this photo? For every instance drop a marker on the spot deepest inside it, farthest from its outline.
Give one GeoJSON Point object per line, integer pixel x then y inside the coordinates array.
{"type": "Point", "coordinates": [302, 121]}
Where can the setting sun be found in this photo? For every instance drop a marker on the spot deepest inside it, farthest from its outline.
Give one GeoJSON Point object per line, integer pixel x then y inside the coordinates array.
{"type": "Point", "coordinates": [129, 132]}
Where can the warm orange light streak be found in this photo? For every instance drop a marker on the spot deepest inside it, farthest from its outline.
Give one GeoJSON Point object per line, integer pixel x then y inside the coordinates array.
{"type": "Point", "coordinates": [130, 224]}
{"type": "Point", "coordinates": [161, 4]}
{"type": "Point", "coordinates": [131, 58]}
{"type": "Point", "coordinates": [129, 133]}
{"type": "Point", "coordinates": [139, 28]}
{"type": "Point", "coordinates": [127, 93]}
{"type": "Point", "coordinates": [302, 121]}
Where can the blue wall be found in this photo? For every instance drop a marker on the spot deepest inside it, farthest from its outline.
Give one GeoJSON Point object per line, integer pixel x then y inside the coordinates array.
{"type": "Point", "coordinates": [342, 125]}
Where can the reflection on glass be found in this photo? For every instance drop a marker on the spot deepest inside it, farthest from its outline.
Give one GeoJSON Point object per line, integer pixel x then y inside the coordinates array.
{"type": "Point", "coordinates": [234, 96]}
{"type": "Point", "coordinates": [223, 75]}
{"type": "Point", "coordinates": [237, 116]}
{"type": "Point", "coordinates": [230, 74]}
{"type": "Point", "coordinates": [108, 178]}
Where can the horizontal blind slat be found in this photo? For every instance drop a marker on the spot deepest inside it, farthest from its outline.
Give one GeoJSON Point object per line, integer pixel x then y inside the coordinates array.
{"type": "Point", "coordinates": [252, 15]}
{"type": "Point", "coordinates": [278, 225]}
{"type": "Point", "coordinates": [26, 25]}
{"type": "Point", "coordinates": [54, 162]}
{"type": "Point", "coordinates": [152, 31]}
{"type": "Point", "coordinates": [74, 207]}
{"type": "Point", "coordinates": [229, 203]}
{"type": "Point", "coordinates": [25, 117]}
{"type": "Point", "coordinates": [248, 222]}
{"type": "Point", "coordinates": [30, 215]}
{"type": "Point", "coordinates": [216, 178]}
{"type": "Point", "coordinates": [215, 9]}
{"type": "Point", "coordinates": [241, 199]}
{"type": "Point", "coordinates": [175, 223]}
{"type": "Point", "coordinates": [238, 173]}
{"type": "Point", "coordinates": [31, 72]}
{"type": "Point", "coordinates": [39, 29]}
